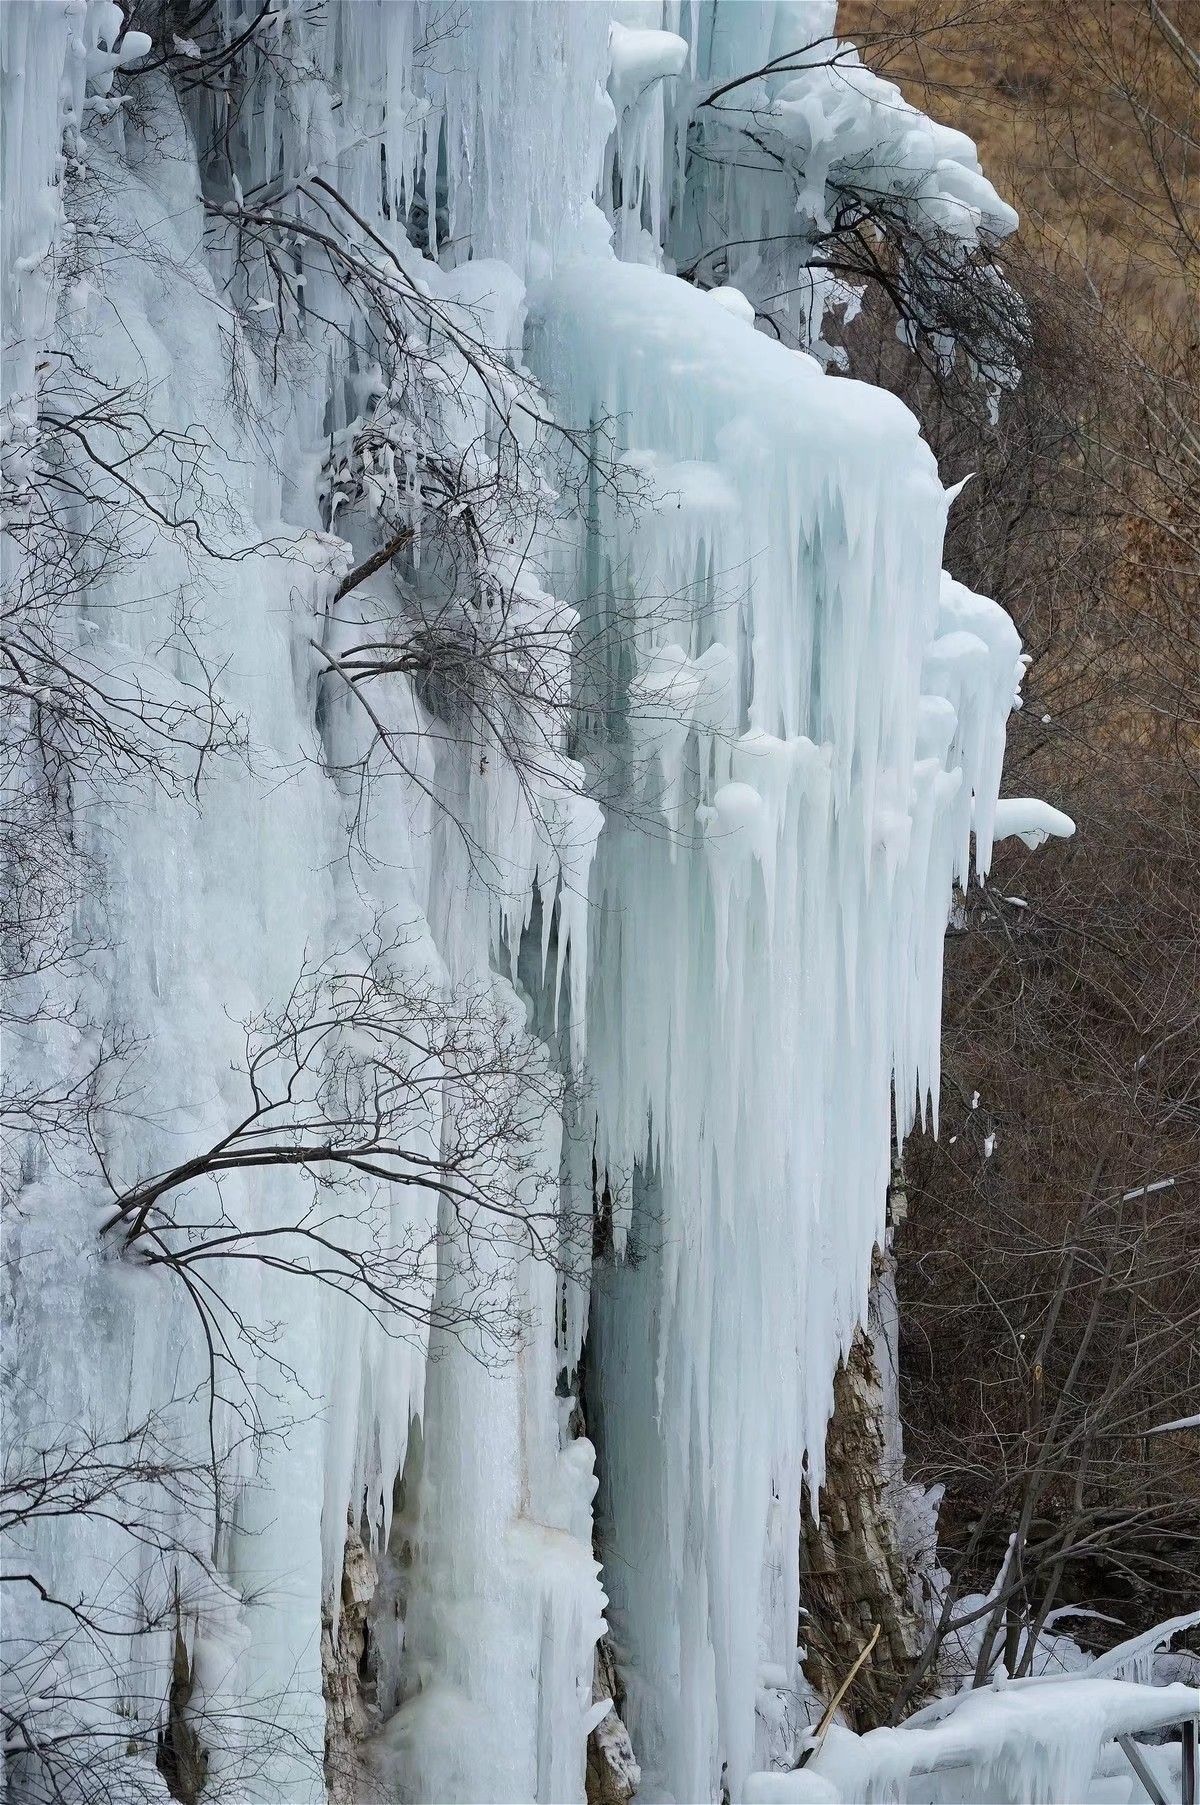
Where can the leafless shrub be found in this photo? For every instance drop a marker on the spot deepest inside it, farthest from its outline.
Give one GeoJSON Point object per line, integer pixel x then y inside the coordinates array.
{"type": "Point", "coordinates": [366, 1073]}
{"type": "Point", "coordinates": [1048, 1268]}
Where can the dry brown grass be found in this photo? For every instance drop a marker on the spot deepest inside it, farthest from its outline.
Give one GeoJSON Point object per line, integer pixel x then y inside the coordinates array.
{"type": "Point", "coordinates": [1040, 86]}
{"type": "Point", "coordinates": [1074, 1012]}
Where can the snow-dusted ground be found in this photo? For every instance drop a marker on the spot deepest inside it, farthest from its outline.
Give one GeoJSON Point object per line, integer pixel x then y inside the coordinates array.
{"type": "Point", "coordinates": [746, 948]}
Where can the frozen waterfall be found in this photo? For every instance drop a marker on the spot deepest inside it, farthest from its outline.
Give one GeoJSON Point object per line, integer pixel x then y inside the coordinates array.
{"type": "Point", "coordinates": [626, 870]}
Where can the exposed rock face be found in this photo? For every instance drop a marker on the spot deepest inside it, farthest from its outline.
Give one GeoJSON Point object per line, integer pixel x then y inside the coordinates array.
{"type": "Point", "coordinates": [182, 1760]}
{"type": "Point", "coordinates": [862, 1561]}
{"type": "Point", "coordinates": [613, 1775]}
{"type": "Point", "coordinates": [349, 1701]}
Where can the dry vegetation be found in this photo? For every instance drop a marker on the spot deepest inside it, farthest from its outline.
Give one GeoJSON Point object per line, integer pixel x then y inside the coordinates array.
{"type": "Point", "coordinates": [1051, 1292]}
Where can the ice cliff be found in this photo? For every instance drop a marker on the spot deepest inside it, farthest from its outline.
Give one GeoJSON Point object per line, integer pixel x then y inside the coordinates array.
{"type": "Point", "coordinates": [458, 660]}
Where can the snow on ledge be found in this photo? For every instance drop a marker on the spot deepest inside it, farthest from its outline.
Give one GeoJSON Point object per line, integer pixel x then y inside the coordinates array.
{"type": "Point", "coordinates": [1038, 1741]}
{"type": "Point", "coordinates": [1030, 819]}
{"type": "Point", "coordinates": [639, 55]}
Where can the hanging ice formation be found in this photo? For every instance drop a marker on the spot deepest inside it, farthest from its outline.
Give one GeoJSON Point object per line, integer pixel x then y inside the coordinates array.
{"type": "Point", "coordinates": [351, 282]}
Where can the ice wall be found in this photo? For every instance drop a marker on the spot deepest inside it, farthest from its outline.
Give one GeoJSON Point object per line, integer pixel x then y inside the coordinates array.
{"type": "Point", "coordinates": [792, 726]}
{"type": "Point", "coordinates": [813, 724]}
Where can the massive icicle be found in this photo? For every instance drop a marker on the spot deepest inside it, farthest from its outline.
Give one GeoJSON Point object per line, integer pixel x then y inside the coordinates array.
{"type": "Point", "coordinates": [764, 962]}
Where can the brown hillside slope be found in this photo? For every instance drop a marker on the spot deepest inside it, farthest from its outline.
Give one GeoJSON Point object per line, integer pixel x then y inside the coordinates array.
{"type": "Point", "coordinates": [1050, 1268]}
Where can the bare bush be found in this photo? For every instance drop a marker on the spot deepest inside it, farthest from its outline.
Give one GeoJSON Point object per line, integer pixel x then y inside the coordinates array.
{"type": "Point", "coordinates": [366, 1073]}
{"type": "Point", "coordinates": [873, 234]}
{"type": "Point", "coordinates": [1048, 1267]}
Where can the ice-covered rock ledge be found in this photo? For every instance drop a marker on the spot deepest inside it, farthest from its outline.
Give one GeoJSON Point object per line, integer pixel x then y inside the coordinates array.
{"type": "Point", "coordinates": [1047, 1739]}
